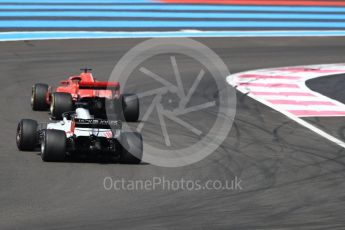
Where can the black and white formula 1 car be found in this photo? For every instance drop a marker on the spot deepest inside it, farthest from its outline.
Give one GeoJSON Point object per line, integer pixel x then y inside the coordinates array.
{"type": "Point", "coordinates": [79, 134]}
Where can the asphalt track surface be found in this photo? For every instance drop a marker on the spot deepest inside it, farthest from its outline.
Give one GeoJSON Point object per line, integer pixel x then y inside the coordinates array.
{"type": "Point", "coordinates": [291, 177]}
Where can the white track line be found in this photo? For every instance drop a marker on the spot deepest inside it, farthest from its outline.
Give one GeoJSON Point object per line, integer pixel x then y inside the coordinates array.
{"type": "Point", "coordinates": [59, 35]}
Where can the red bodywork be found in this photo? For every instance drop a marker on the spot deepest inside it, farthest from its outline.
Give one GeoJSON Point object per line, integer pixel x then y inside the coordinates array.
{"type": "Point", "coordinates": [85, 85]}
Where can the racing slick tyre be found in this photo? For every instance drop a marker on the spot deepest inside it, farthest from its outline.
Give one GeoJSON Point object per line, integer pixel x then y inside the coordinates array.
{"type": "Point", "coordinates": [130, 107]}
{"type": "Point", "coordinates": [132, 148]}
{"type": "Point", "coordinates": [61, 102]}
{"type": "Point", "coordinates": [27, 136]}
{"type": "Point", "coordinates": [38, 97]}
{"type": "Point", "coordinates": [53, 146]}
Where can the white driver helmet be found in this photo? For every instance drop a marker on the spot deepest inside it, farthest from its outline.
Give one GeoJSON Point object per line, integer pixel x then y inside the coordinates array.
{"type": "Point", "coordinates": [83, 113]}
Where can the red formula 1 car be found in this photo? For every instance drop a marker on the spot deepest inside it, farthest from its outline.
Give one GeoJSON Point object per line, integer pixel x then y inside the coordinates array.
{"type": "Point", "coordinates": [86, 91]}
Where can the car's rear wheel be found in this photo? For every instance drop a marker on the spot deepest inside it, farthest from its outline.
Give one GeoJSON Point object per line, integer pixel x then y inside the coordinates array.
{"type": "Point", "coordinates": [27, 136]}
{"type": "Point", "coordinates": [53, 146]}
{"type": "Point", "coordinates": [38, 97]}
{"type": "Point", "coordinates": [132, 148]}
{"type": "Point", "coordinates": [130, 107]}
{"type": "Point", "coordinates": [61, 102]}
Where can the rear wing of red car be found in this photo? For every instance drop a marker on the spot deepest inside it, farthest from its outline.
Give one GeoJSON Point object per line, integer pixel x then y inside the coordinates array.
{"type": "Point", "coordinates": [100, 85]}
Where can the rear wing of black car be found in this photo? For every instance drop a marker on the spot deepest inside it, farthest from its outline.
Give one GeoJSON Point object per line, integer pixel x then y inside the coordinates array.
{"type": "Point", "coordinates": [97, 123]}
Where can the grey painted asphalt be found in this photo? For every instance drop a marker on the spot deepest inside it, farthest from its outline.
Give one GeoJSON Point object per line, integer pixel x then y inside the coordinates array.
{"type": "Point", "coordinates": [291, 177]}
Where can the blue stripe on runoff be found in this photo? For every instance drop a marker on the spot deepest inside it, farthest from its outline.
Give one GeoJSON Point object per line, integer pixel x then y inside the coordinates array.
{"type": "Point", "coordinates": [150, 14]}
{"type": "Point", "coordinates": [78, 1]}
{"type": "Point", "coordinates": [153, 14]}
{"type": "Point", "coordinates": [164, 24]}
{"type": "Point", "coordinates": [15, 36]}
{"type": "Point", "coordinates": [171, 7]}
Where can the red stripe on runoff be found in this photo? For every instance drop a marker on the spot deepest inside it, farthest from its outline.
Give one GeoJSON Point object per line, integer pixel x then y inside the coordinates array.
{"type": "Point", "coordinates": [269, 85]}
{"type": "Point", "coordinates": [304, 70]}
{"type": "Point", "coordinates": [313, 113]}
{"type": "Point", "coordinates": [258, 76]}
{"type": "Point", "coordinates": [293, 102]}
{"type": "Point", "coordinates": [302, 94]}
{"type": "Point", "coordinates": [261, 2]}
